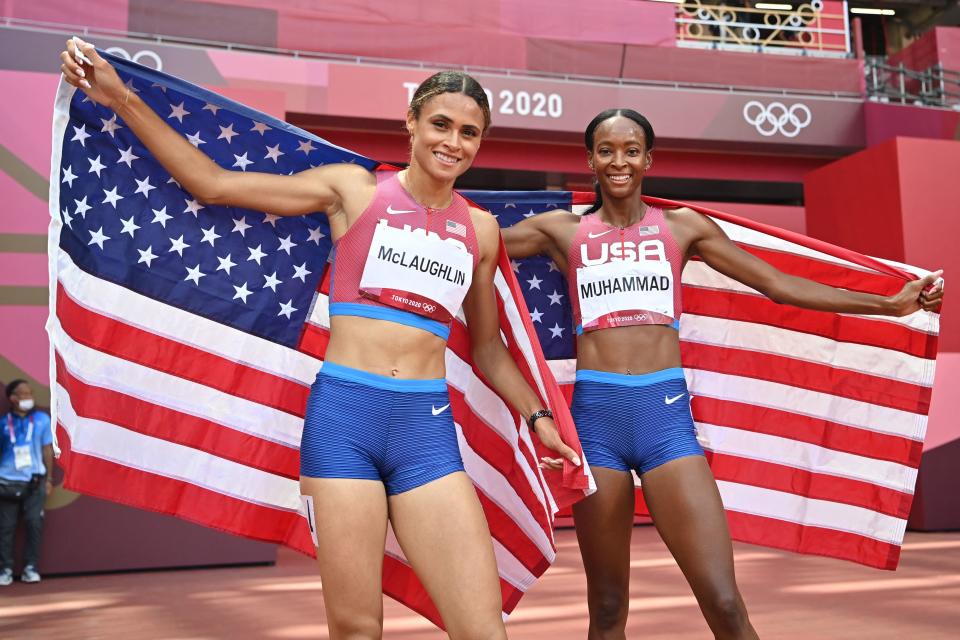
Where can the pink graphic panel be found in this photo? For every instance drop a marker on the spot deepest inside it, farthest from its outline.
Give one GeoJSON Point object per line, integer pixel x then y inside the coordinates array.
{"type": "Point", "coordinates": [23, 340]}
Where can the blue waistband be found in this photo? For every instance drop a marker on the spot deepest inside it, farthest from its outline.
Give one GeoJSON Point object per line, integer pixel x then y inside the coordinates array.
{"type": "Point", "coordinates": [624, 380]}
{"type": "Point", "coordinates": [431, 385]}
{"type": "Point", "coordinates": [675, 325]}
{"type": "Point", "coordinates": [393, 315]}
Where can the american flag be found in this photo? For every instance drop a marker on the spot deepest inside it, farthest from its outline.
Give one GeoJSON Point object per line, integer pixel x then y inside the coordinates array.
{"type": "Point", "coordinates": [186, 338]}
{"type": "Point", "coordinates": [813, 422]}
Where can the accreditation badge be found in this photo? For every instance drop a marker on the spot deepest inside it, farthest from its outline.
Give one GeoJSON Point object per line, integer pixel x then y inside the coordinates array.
{"type": "Point", "coordinates": [22, 458]}
{"type": "Point", "coordinates": [417, 272]}
{"type": "Point", "coordinates": [623, 293]}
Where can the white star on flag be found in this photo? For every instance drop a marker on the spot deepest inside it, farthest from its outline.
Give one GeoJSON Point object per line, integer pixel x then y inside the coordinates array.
{"type": "Point", "coordinates": [536, 315]}
{"type": "Point", "coordinates": [209, 235]}
{"type": "Point", "coordinates": [287, 308]}
{"type": "Point", "coordinates": [144, 187]}
{"type": "Point", "coordinates": [146, 256]}
{"type": "Point", "coordinates": [98, 238]}
{"type": "Point", "coordinates": [160, 215]}
{"type": "Point", "coordinates": [534, 282]}
{"type": "Point", "coordinates": [178, 245]}
{"type": "Point", "coordinates": [80, 135]}
{"type": "Point", "coordinates": [286, 244]}
{"type": "Point", "coordinates": [129, 226]}
{"type": "Point", "coordinates": [195, 139]}
{"type": "Point", "coordinates": [306, 146]}
{"type": "Point", "coordinates": [240, 226]}
{"type": "Point", "coordinates": [68, 176]}
{"type": "Point", "coordinates": [274, 153]}
{"type": "Point", "coordinates": [556, 331]}
{"type": "Point", "coordinates": [178, 112]}
{"type": "Point", "coordinates": [271, 282]}
{"type": "Point", "coordinates": [241, 292]}
{"type": "Point", "coordinates": [212, 108]}
{"type": "Point", "coordinates": [128, 156]}
{"type": "Point", "coordinates": [112, 197]}
{"type": "Point", "coordinates": [256, 254]}
{"type": "Point", "coordinates": [260, 128]}
{"type": "Point", "coordinates": [241, 161]}
{"type": "Point", "coordinates": [110, 126]}
{"type": "Point", "coordinates": [555, 297]}
{"type": "Point", "coordinates": [315, 235]}
{"type": "Point", "coordinates": [226, 264]}
{"type": "Point", "coordinates": [227, 133]}
{"type": "Point", "coordinates": [82, 207]}
{"type": "Point", "coordinates": [96, 166]}
{"type": "Point", "coordinates": [194, 274]}
{"type": "Point", "coordinates": [301, 272]}
{"type": "Point", "coordinates": [193, 206]}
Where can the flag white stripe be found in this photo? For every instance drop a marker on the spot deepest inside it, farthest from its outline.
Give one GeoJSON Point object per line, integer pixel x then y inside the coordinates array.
{"type": "Point", "coordinates": [763, 338]}
{"type": "Point", "coordinates": [104, 297]}
{"type": "Point", "coordinates": [811, 512]}
{"type": "Point", "coordinates": [805, 402]}
{"type": "Point", "coordinates": [803, 455]}
{"type": "Point", "coordinates": [498, 489]}
{"type": "Point", "coordinates": [100, 369]}
{"type": "Point", "coordinates": [128, 448]}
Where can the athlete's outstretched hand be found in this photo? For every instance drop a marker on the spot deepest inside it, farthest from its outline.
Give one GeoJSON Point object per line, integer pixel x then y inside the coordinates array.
{"type": "Point", "coordinates": [925, 293]}
{"type": "Point", "coordinates": [83, 67]}
{"type": "Point", "coordinates": [546, 430]}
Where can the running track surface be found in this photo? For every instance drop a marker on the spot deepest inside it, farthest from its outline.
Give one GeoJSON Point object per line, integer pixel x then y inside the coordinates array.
{"type": "Point", "coordinates": [789, 596]}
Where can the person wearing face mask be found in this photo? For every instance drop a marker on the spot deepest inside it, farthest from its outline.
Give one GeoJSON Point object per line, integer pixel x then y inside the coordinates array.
{"type": "Point", "coordinates": [26, 462]}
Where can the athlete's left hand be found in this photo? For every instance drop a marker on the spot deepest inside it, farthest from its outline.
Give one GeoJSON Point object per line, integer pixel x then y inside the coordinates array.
{"type": "Point", "coordinates": [546, 430]}
{"type": "Point", "coordinates": [925, 293]}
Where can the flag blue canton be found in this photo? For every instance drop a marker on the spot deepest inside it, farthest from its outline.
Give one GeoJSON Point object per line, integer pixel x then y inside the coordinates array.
{"type": "Point", "coordinates": [544, 286]}
{"type": "Point", "coordinates": [127, 221]}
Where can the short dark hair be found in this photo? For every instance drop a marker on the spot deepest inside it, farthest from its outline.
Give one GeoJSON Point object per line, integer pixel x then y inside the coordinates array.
{"type": "Point", "coordinates": [603, 116]}
{"type": "Point", "coordinates": [12, 386]}
{"type": "Point", "coordinates": [451, 82]}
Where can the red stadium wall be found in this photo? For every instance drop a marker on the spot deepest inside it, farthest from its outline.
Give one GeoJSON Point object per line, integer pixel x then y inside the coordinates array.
{"type": "Point", "coordinates": [899, 200]}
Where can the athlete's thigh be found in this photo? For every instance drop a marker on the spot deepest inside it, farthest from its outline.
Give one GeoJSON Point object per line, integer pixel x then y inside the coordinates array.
{"type": "Point", "coordinates": [351, 525]}
{"type": "Point", "coordinates": [685, 504]}
{"type": "Point", "coordinates": [443, 533]}
{"type": "Point", "coordinates": [604, 523]}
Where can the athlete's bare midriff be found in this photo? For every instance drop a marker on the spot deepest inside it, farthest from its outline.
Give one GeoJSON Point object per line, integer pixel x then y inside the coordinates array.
{"type": "Point", "coordinates": [385, 348]}
{"type": "Point", "coordinates": [629, 350]}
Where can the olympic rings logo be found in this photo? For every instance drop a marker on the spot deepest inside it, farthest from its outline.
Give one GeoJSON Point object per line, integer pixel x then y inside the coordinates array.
{"type": "Point", "coordinates": [429, 308]}
{"type": "Point", "coordinates": [777, 118]}
{"type": "Point", "coordinates": [139, 57]}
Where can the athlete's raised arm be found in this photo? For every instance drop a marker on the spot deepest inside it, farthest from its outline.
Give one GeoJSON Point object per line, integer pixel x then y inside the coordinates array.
{"type": "Point", "coordinates": [489, 352]}
{"type": "Point", "coordinates": [312, 190]}
{"type": "Point", "coordinates": [535, 235]}
{"type": "Point", "coordinates": [718, 251]}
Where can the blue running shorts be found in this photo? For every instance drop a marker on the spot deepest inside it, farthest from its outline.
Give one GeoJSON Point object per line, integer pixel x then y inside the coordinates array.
{"type": "Point", "coordinates": [634, 422]}
{"type": "Point", "coordinates": [365, 426]}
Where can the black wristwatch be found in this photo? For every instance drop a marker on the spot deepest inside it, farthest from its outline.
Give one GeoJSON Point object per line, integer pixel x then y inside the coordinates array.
{"type": "Point", "coordinates": [542, 413]}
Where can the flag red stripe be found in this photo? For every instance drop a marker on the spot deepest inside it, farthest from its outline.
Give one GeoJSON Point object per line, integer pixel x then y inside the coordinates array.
{"type": "Point", "coordinates": [175, 358]}
{"type": "Point", "coordinates": [795, 426]}
{"type": "Point", "coordinates": [830, 273]}
{"type": "Point", "coordinates": [137, 488]}
{"type": "Point", "coordinates": [731, 305]}
{"type": "Point", "coordinates": [157, 421]}
{"type": "Point", "coordinates": [314, 340]}
{"type": "Point", "coordinates": [817, 541]}
{"type": "Point", "coordinates": [807, 375]}
{"type": "Point", "coordinates": [818, 486]}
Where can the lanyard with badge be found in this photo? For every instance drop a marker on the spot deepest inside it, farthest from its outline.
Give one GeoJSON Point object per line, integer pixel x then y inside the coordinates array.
{"type": "Point", "coordinates": [22, 458]}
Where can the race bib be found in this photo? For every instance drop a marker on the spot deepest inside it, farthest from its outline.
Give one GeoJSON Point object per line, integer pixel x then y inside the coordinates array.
{"type": "Point", "coordinates": [21, 457]}
{"type": "Point", "coordinates": [417, 272]}
{"type": "Point", "coordinates": [621, 293]}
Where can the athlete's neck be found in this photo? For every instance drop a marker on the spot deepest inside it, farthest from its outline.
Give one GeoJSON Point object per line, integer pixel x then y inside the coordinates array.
{"type": "Point", "coordinates": [623, 212]}
{"type": "Point", "coordinates": [18, 412]}
{"type": "Point", "coordinates": [424, 189]}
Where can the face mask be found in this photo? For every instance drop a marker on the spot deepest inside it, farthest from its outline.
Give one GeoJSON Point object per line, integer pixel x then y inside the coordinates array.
{"type": "Point", "coordinates": [26, 405]}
